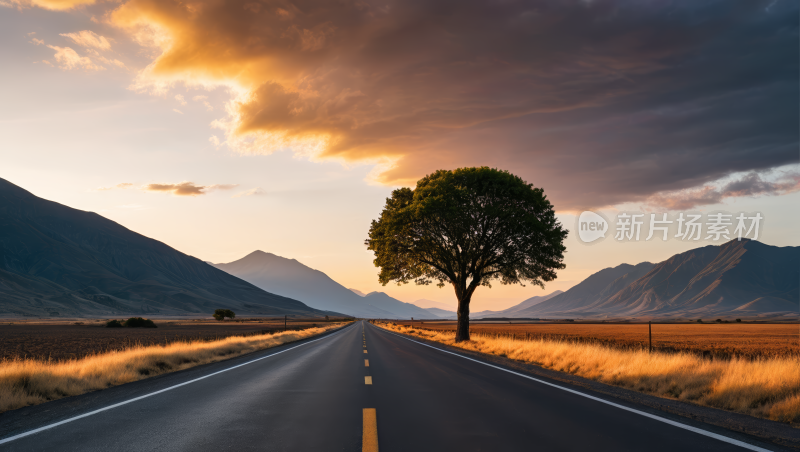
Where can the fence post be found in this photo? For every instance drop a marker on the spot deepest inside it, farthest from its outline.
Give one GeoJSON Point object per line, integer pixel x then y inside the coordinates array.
{"type": "Point", "coordinates": [284, 322]}
{"type": "Point", "coordinates": [650, 331]}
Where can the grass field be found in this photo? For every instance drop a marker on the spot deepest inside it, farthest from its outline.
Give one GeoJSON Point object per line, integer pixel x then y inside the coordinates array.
{"type": "Point", "coordinates": [60, 340]}
{"type": "Point", "coordinates": [26, 382]}
{"type": "Point", "coordinates": [711, 340]}
{"type": "Point", "coordinates": [762, 387]}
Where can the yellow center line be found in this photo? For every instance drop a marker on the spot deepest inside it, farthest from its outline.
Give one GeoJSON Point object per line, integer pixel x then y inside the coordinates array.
{"type": "Point", "coordinates": [367, 380]}
{"type": "Point", "coordinates": [365, 351]}
{"type": "Point", "coordinates": [369, 440]}
{"type": "Point", "coordinates": [366, 363]}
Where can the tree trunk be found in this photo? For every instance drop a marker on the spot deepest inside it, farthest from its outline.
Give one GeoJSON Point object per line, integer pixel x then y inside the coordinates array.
{"type": "Point", "coordinates": [462, 328]}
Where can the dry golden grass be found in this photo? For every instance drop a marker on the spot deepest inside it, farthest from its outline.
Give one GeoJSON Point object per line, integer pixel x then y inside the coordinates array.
{"type": "Point", "coordinates": [26, 382]}
{"type": "Point", "coordinates": [766, 387]}
{"type": "Point", "coordinates": [743, 340]}
{"type": "Point", "coordinates": [65, 340]}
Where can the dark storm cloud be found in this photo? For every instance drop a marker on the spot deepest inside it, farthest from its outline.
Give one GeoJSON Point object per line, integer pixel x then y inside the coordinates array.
{"type": "Point", "coordinates": [599, 102]}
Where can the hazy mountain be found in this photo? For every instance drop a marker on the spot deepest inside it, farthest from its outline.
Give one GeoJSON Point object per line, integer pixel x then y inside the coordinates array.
{"type": "Point", "coordinates": [55, 259]}
{"type": "Point", "coordinates": [737, 279]}
{"type": "Point", "coordinates": [398, 308]}
{"type": "Point", "coordinates": [442, 313]}
{"type": "Point", "coordinates": [427, 304]}
{"type": "Point", "coordinates": [358, 292]}
{"type": "Point", "coordinates": [290, 278]}
{"type": "Point", "coordinates": [510, 312]}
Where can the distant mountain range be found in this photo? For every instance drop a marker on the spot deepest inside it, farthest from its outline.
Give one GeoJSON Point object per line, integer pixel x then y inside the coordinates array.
{"type": "Point", "coordinates": [510, 312]}
{"type": "Point", "coordinates": [745, 279]}
{"type": "Point", "coordinates": [59, 261]}
{"type": "Point", "coordinates": [290, 278]}
{"type": "Point", "coordinates": [428, 304]}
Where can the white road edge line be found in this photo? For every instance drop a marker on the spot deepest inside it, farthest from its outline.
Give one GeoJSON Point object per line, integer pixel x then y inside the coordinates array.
{"type": "Point", "coordinates": [135, 399]}
{"type": "Point", "coordinates": [641, 413]}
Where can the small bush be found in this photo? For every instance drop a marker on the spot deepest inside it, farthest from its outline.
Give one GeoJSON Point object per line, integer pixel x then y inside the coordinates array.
{"type": "Point", "coordinates": [738, 320]}
{"type": "Point", "coordinates": [138, 322]}
{"type": "Point", "coordinates": [220, 314]}
{"type": "Point", "coordinates": [113, 324]}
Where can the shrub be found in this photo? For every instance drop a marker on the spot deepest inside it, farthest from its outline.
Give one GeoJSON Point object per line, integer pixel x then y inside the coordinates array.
{"type": "Point", "coordinates": [739, 320]}
{"type": "Point", "coordinates": [138, 322]}
{"type": "Point", "coordinates": [220, 314]}
{"type": "Point", "coordinates": [113, 324]}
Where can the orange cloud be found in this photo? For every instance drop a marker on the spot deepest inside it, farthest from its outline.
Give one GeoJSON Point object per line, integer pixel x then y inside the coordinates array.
{"type": "Point", "coordinates": [55, 5]}
{"type": "Point", "coordinates": [88, 38]}
{"type": "Point", "coordinates": [599, 103]}
{"type": "Point", "coordinates": [69, 59]}
{"type": "Point", "coordinates": [187, 188]}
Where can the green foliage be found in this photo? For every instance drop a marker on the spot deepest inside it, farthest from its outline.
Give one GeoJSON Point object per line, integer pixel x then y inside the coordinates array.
{"type": "Point", "coordinates": [468, 227]}
{"type": "Point", "coordinates": [113, 324]}
{"type": "Point", "coordinates": [138, 322]}
{"type": "Point", "coordinates": [220, 314]}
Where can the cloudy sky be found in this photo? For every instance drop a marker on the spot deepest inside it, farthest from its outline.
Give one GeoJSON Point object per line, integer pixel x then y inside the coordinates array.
{"type": "Point", "coordinates": [221, 127]}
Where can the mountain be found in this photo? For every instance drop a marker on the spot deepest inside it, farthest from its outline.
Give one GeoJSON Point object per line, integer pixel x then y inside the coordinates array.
{"type": "Point", "coordinates": [532, 301]}
{"type": "Point", "coordinates": [736, 279]}
{"type": "Point", "coordinates": [427, 304]}
{"type": "Point", "coordinates": [358, 292]}
{"type": "Point", "coordinates": [398, 308]}
{"type": "Point", "coordinates": [510, 312]}
{"type": "Point", "coordinates": [55, 260]}
{"type": "Point", "coordinates": [442, 313]}
{"type": "Point", "coordinates": [290, 278]}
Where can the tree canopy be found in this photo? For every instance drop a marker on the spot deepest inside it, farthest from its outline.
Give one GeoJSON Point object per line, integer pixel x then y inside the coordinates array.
{"type": "Point", "coordinates": [220, 314]}
{"type": "Point", "coordinates": [468, 227]}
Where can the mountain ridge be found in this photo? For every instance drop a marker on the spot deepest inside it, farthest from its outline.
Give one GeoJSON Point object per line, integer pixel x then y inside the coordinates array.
{"type": "Point", "coordinates": [293, 279]}
{"type": "Point", "coordinates": [736, 278]}
{"type": "Point", "coordinates": [56, 260]}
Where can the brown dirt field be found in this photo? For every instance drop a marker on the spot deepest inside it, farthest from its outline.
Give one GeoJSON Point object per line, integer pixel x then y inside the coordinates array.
{"type": "Point", "coordinates": [713, 340]}
{"type": "Point", "coordinates": [60, 340]}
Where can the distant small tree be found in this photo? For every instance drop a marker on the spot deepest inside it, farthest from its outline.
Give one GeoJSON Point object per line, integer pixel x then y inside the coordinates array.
{"type": "Point", "coordinates": [718, 320]}
{"type": "Point", "coordinates": [468, 227]}
{"type": "Point", "coordinates": [138, 322]}
{"type": "Point", "coordinates": [738, 320]}
{"type": "Point", "coordinates": [113, 324]}
{"type": "Point", "coordinates": [699, 320]}
{"type": "Point", "coordinates": [327, 318]}
{"type": "Point", "coordinates": [220, 314]}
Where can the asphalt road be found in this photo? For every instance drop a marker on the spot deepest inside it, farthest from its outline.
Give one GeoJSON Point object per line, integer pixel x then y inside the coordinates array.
{"type": "Point", "coordinates": [311, 396]}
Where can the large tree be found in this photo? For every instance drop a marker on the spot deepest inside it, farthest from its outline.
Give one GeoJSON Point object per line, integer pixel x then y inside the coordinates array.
{"type": "Point", "coordinates": [468, 227]}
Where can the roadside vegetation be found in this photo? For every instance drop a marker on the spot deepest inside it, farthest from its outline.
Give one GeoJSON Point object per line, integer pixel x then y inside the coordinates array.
{"type": "Point", "coordinates": [220, 314]}
{"type": "Point", "coordinates": [25, 382]}
{"type": "Point", "coordinates": [766, 387]}
{"type": "Point", "coordinates": [710, 340]}
{"type": "Point", "coordinates": [133, 322]}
